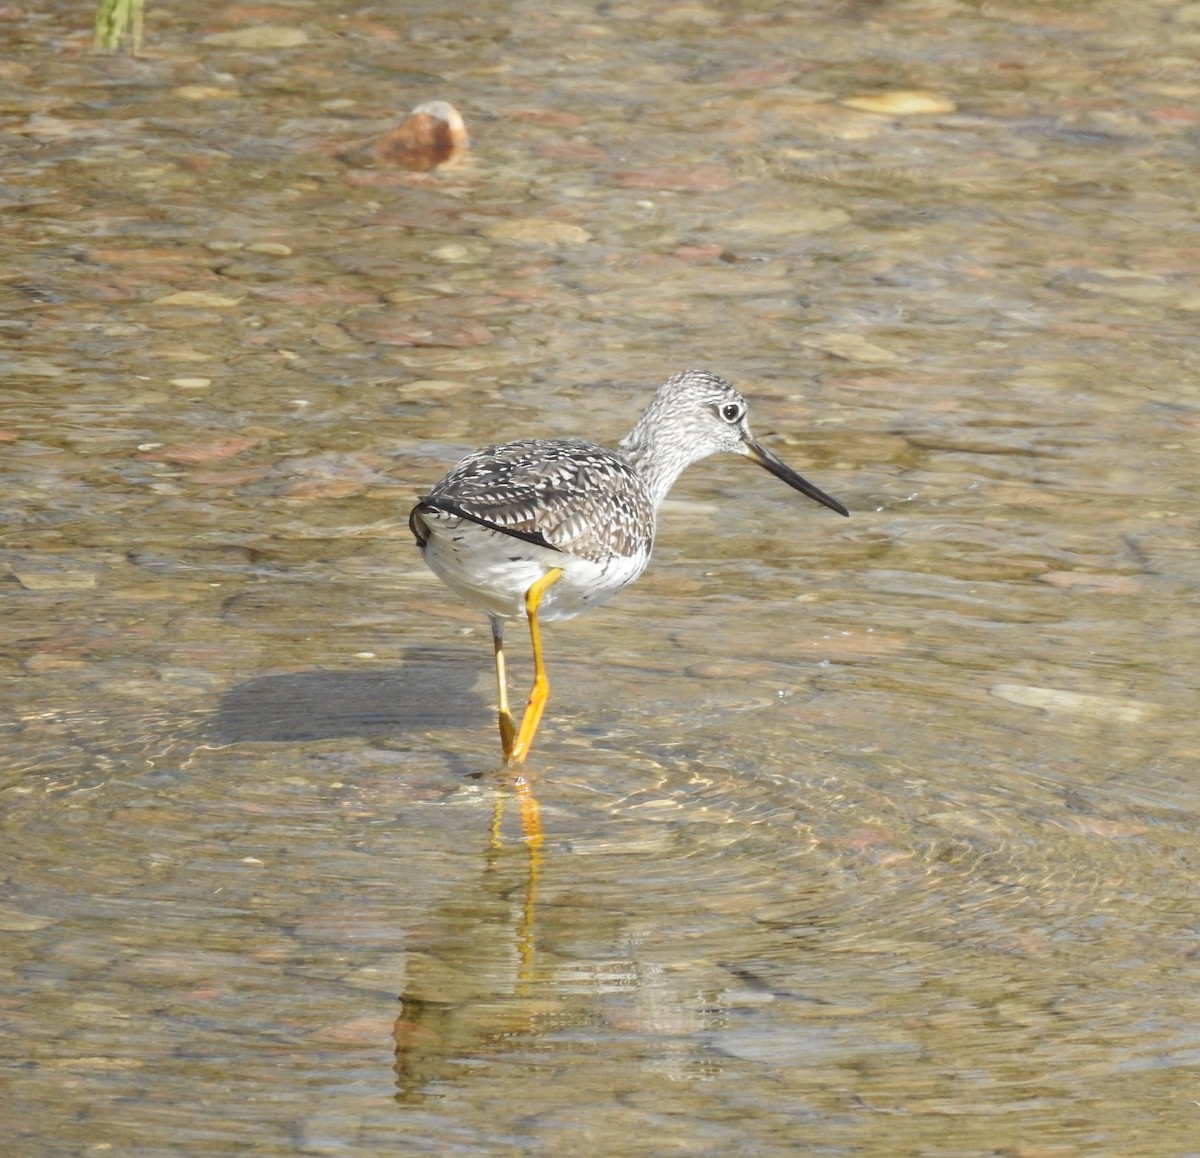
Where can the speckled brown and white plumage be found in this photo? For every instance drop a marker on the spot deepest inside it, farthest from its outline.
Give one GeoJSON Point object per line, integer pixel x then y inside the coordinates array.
{"type": "Point", "coordinates": [507, 514]}
{"type": "Point", "coordinates": [567, 494]}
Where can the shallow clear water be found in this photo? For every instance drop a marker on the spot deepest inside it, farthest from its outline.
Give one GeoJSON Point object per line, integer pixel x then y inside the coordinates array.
{"type": "Point", "coordinates": [866, 836]}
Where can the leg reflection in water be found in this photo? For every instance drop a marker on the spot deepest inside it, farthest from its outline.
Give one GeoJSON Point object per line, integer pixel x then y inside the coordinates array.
{"type": "Point", "coordinates": [531, 828]}
{"type": "Point", "coordinates": [470, 989]}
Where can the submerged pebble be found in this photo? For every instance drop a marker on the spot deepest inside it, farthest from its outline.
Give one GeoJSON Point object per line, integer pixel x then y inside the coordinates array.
{"type": "Point", "coordinates": [1056, 701]}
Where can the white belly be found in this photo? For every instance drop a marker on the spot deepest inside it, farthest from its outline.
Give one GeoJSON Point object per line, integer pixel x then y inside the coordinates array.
{"type": "Point", "coordinates": [493, 570]}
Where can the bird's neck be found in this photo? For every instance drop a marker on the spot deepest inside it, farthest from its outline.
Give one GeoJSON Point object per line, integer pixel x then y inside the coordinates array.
{"type": "Point", "coordinates": [656, 452]}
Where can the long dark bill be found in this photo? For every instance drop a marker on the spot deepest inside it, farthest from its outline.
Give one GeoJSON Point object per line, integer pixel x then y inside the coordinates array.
{"type": "Point", "coordinates": [780, 469]}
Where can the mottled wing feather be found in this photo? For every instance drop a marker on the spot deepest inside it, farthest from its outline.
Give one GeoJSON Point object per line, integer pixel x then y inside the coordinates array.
{"type": "Point", "coordinates": [566, 494]}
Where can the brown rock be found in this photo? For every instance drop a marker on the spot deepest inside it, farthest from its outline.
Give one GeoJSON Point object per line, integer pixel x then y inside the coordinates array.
{"type": "Point", "coordinates": [195, 453]}
{"type": "Point", "coordinates": [433, 134]}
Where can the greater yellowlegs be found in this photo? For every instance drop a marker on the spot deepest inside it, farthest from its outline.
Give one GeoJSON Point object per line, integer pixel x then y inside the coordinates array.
{"type": "Point", "coordinates": [552, 527]}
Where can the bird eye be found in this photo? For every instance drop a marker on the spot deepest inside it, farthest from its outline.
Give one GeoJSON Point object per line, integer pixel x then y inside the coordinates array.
{"type": "Point", "coordinates": [731, 412]}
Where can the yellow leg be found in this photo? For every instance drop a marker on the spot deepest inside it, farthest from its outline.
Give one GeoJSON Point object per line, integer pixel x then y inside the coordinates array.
{"type": "Point", "coordinates": [508, 729]}
{"type": "Point", "coordinates": [541, 688]}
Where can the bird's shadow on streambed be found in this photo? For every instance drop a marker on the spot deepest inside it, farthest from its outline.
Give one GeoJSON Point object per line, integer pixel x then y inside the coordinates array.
{"type": "Point", "coordinates": [431, 690]}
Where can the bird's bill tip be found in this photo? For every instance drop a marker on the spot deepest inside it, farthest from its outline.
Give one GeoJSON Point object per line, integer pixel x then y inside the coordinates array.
{"type": "Point", "coordinates": [781, 470]}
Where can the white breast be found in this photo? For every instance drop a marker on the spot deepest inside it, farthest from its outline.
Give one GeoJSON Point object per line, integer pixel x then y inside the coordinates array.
{"type": "Point", "coordinates": [493, 570]}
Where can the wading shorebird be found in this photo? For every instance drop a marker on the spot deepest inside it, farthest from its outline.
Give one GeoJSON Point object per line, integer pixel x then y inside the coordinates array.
{"type": "Point", "coordinates": [551, 527]}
